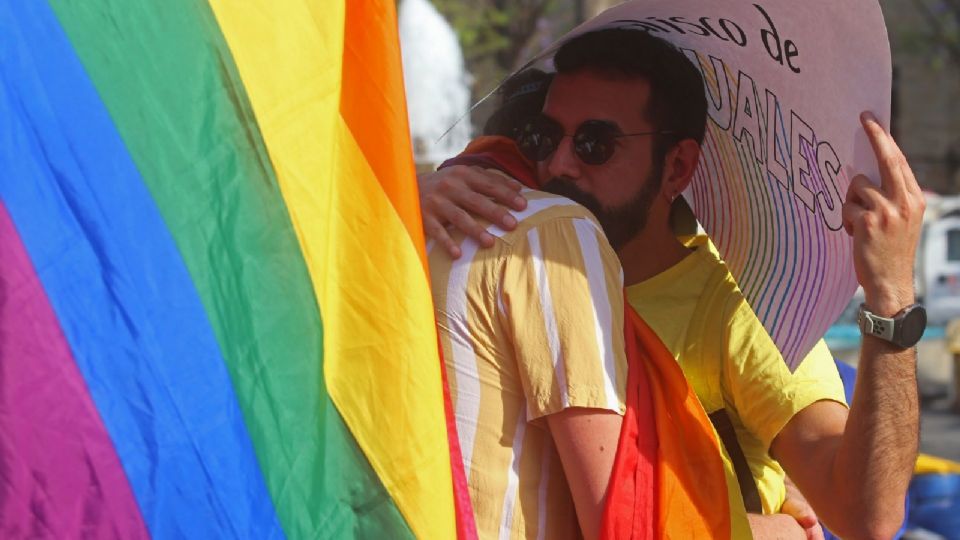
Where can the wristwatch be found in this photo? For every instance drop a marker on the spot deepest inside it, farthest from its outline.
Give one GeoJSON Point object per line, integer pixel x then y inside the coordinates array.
{"type": "Point", "coordinates": [904, 330]}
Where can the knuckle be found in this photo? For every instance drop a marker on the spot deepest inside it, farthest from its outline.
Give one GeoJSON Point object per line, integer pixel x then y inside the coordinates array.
{"type": "Point", "coordinates": [859, 186]}
{"type": "Point", "coordinates": [445, 185]}
{"type": "Point", "coordinates": [458, 169]}
{"type": "Point", "coordinates": [905, 208]}
{"type": "Point", "coordinates": [886, 215]}
{"type": "Point", "coordinates": [433, 229]}
{"type": "Point", "coordinates": [461, 219]}
{"type": "Point", "coordinates": [475, 201]}
{"type": "Point", "coordinates": [506, 193]}
{"type": "Point", "coordinates": [497, 212]}
{"type": "Point", "coordinates": [429, 199]}
{"type": "Point", "coordinates": [481, 180]}
{"type": "Point", "coordinates": [433, 204]}
{"type": "Point", "coordinates": [891, 162]}
{"type": "Point", "coordinates": [489, 209]}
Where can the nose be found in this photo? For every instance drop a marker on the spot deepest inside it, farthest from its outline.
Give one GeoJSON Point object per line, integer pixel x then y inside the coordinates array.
{"type": "Point", "coordinates": [563, 161]}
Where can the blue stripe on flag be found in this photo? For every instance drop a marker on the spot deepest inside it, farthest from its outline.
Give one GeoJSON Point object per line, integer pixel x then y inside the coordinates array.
{"type": "Point", "coordinates": [125, 300]}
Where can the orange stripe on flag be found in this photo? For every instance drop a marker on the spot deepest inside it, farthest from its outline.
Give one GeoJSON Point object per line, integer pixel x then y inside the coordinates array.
{"type": "Point", "coordinates": [373, 104]}
{"type": "Point", "coordinates": [687, 494]}
{"type": "Point", "coordinates": [329, 102]}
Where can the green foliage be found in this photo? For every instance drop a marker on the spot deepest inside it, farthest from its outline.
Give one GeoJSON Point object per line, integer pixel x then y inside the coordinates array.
{"type": "Point", "coordinates": [497, 36]}
{"type": "Point", "coordinates": [938, 38]}
{"type": "Point", "coordinates": [493, 29]}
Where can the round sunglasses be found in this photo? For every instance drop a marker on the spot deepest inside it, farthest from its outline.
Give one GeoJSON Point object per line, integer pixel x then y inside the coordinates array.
{"type": "Point", "coordinates": [594, 141]}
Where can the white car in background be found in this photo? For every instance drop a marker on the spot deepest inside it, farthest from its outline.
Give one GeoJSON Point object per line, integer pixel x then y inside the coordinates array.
{"type": "Point", "coordinates": [938, 272]}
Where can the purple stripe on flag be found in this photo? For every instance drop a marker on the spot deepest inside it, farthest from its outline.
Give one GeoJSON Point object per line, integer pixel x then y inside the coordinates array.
{"type": "Point", "coordinates": [59, 474]}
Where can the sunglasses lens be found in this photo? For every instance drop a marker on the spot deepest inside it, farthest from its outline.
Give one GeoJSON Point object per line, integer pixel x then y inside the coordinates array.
{"type": "Point", "coordinates": [539, 137]}
{"type": "Point", "coordinates": [594, 142]}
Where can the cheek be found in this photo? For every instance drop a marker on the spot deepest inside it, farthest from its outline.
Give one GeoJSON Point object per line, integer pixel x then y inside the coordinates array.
{"type": "Point", "coordinates": [615, 183]}
{"type": "Point", "coordinates": [543, 175]}
{"type": "Point", "coordinates": [631, 172]}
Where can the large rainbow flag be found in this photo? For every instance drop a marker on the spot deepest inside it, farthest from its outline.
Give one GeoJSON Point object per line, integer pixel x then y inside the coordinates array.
{"type": "Point", "coordinates": [215, 319]}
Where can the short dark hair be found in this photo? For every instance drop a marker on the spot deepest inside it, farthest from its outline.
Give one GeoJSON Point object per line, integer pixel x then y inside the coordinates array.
{"type": "Point", "coordinates": [521, 96]}
{"type": "Point", "coordinates": [677, 100]}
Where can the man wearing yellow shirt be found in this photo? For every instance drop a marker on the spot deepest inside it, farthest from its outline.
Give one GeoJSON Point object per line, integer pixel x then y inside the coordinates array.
{"type": "Point", "coordinates": [853, 466]}
{"type": "Point", "coordinates": [700, 315]}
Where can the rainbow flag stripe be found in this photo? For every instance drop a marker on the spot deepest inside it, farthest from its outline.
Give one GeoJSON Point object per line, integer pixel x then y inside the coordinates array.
{"type": "Point", "coordinates": [215, 318]}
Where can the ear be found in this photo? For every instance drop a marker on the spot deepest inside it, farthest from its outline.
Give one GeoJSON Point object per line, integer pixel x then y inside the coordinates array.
{"type": "Point", "coordinates": [678, 168]}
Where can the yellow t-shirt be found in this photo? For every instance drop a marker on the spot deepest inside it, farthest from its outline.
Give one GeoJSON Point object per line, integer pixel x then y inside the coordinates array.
{"type": "Point", "coordinates": [698, 311]}
{"type": "Point", "coordinates": [529, 327]}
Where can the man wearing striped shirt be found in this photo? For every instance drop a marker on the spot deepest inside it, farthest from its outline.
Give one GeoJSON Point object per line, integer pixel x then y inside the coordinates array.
{"type": "Point", "coordinates": [532, 333]}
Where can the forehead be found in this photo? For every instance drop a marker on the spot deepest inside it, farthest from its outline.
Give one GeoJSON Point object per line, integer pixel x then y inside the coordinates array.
{"type": "Point", "coordinates": [584, 95]}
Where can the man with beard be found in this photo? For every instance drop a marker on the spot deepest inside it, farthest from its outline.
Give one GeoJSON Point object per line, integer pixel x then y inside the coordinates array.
{"type": "Point", "coordinates": [613, 137]}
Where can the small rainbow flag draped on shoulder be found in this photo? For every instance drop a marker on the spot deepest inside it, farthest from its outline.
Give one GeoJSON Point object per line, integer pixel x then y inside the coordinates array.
{"type": "Point", "coordinates": [215, 320]}
{"type": "Point", "coordinates": [668, 477]}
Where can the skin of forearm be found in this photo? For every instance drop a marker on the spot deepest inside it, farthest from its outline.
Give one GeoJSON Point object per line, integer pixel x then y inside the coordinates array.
{"type": "Point", "coordinates": [875, 458]}
{"type": "Point", "coordinates": [854, 467]}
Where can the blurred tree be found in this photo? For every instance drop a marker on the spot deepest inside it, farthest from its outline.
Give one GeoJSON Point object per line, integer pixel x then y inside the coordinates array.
{"type": "Point", "coordinates": [929, 43]}
{"type": "Point", "coordinates": [498, 36]}
{"type": "Point", "coordinates": [496, 30]}
{"type": "Point", "coordinates": [942, 30]}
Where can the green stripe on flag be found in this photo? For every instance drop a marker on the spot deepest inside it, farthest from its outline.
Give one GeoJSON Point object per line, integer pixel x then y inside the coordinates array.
{"type": "Point", "coordinates": [167, 77]}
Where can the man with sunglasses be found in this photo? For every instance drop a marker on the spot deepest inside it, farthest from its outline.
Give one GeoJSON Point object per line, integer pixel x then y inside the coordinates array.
{"type": "Point", "coordinates": [609, 139]}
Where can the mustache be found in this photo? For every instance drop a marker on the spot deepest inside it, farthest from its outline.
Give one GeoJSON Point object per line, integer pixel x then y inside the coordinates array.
{"type": "Point", "coordinates": [565, 187]}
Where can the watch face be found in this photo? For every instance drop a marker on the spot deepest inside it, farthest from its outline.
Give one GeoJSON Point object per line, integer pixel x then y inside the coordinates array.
{"type": "Point", "coordinates": [913, 323]}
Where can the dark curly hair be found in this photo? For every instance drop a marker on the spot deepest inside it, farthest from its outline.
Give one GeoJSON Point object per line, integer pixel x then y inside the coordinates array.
{"type": "Point", "coordinates": [521, 96]}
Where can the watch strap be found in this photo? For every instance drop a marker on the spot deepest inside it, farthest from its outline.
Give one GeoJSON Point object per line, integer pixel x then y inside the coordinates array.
{"type": "Point", "coordinates": [903, 330]}
{"type": "Point", "coordinates": [875, 325]}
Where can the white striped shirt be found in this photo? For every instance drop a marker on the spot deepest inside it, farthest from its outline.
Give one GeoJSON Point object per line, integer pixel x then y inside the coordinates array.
{"type": "Point", "coordinates": [529, 327]}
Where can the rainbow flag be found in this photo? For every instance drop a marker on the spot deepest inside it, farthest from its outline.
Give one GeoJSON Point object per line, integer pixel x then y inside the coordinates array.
{"type": "Point", "coordinates": [215, 318]}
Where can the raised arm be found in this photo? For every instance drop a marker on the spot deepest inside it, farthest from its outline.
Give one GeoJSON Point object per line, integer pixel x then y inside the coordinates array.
{"type": "Point", "coordinates": [854, 469]}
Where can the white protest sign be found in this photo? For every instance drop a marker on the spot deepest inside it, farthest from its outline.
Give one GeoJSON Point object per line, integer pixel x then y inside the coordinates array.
{"type": "Point", "coordinates": [786, 82]}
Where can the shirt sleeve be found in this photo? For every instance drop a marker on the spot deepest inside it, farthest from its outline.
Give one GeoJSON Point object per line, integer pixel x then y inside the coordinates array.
{"type": "Point", "coordinates": [766, 394]}
{"type": "Point", "coordinates": [562, 298]}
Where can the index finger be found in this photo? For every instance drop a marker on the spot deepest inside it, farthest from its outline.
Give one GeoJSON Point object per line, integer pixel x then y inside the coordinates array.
{"type": "Point", "coordinates": [890, 159]}
{"type": "Point", "coordinates": [498, 186]}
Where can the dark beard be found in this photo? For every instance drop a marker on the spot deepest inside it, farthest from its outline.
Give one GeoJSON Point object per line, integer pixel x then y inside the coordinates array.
{"type": "Point", "coordinates": [620, 224]}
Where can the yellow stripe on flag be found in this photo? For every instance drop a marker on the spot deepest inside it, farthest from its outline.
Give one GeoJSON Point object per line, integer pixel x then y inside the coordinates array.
{"type": "Point", "coordinates": [380, 346]}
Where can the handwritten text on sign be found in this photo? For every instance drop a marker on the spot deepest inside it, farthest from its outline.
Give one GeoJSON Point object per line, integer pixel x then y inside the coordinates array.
{"type": "Point", "coordinates": [782, 142]}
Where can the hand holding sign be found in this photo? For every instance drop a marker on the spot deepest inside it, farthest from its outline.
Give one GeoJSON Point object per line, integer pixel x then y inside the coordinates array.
{"type": "Point", "coordinates": [885, 222]}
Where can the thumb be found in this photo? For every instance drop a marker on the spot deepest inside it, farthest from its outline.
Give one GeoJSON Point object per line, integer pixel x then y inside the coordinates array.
{"type": "Point", "coordinates": [800, 511]}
